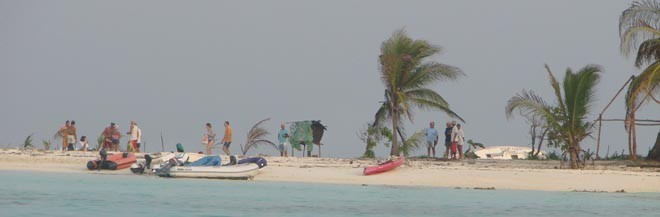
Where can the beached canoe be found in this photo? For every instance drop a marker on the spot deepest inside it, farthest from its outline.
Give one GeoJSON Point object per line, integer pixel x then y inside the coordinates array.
{"type": "Point", "coordinates": [239, 171]}
{"type": "Point", "coordinates": [116, 161]}
{"type": "Point", "coordinates": [384, 167]}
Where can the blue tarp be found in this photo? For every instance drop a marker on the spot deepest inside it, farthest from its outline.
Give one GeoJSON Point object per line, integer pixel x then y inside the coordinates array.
{"type": "Point", "coordinates": [207, 161]}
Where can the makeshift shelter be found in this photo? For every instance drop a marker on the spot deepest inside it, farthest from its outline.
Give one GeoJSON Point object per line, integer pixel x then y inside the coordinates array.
{"type": "Point", "coordinates": [306, 134]}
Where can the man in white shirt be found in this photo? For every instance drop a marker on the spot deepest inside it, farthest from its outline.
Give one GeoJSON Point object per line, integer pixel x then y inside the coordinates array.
{"type": "Point", "coordinates": [459, 139]}
{"type": "Point", "coordinates": [136, 136]}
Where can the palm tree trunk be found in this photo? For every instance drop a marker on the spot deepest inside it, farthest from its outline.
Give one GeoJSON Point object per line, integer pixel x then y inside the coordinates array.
{"type": "Point", "coordinates": [574, 155]}
{"type": "Point", "coordinates": [395, 126]}
{"type": "Point", "coordinates": [600, 125]}
{"type": "Point", "coordinates": [629, 131]}
{"type": "Point", "coordinates": [532, 131]}
{"type": "Point", "coordinates": [633, 151]}
{"type": "Point", "coordinates": [538, 150]}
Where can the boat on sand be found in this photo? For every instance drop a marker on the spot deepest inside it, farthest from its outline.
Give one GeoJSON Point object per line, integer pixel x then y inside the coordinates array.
{"type": "Point", "coordinates": [384, 167]}
{"type": "Point", "coordinates": [209, 167]}
{"type": "Point", "coordinates": [115, 161]}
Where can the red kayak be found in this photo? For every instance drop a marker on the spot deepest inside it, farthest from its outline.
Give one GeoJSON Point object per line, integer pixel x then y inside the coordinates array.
{"type": "Point", "coordinates": [384, 167]}
{"type": "Point", "coordinates": [116, 161]}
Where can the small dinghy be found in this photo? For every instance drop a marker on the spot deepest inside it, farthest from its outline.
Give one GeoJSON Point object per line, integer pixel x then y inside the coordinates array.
{"type": "Point", "coordinates": [209, 167]}
{"type": "Point", "coordinates": [384, 167]}
{"type": "Point", "coordinates": [116, 161]}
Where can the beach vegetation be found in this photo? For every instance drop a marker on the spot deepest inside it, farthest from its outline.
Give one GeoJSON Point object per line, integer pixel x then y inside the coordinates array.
{"type": "Point", "coordinates": [413, 143]}
{"type": "Point", "coordinates": [538, 131]}
{"type": "Point", "coordinates": [27, 144]}
{"type": "Point", "coordinates": [553, 155]}
{"type": "Point", "coordinates": [472, 145]}
{"type": "Point", "coordinates": [372, 135]}
{"type": "Point", "coordinates": [407, 73]}
{"type": "Point", "coordinates": [46, 144]}
{"type": "Point", "coordinates": [99, 142]}
{"type": "Point", "coordinates": [639, 31]}
{"type": "Point", "coordinates": [568, 117]}
{"type": "Point", "coordinates": [257, 137]}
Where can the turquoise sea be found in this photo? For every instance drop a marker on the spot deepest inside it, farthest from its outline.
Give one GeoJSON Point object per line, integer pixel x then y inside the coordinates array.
{"type": "Point", "coordinates": [59, 194]}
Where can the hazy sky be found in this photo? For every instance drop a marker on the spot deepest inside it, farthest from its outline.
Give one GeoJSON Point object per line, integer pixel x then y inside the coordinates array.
{"type": "Point", "coordinates": [175, 65]}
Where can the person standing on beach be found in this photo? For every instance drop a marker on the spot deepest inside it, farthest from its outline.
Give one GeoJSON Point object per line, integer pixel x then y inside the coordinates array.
{"type": "Point", "coordinates": [63, 132]}
{"type": "Point", "coordinates": [209, 138]}
{"type": "Point", "coordinates": [72, 136]}
{"type": "Point", "coordinates": [448, 139]}
{"type": "Point", "coordinates": [283, 137]}
{"type": "Point", "coordinates": [136, 136]}
{"type": "Point", "coordinates": [431, 139]}
{"type": "Point", "coordinates": [115, 136]}
{"type": "Point", "coordinates": [454, 131]}
{"type": "Point", "coordinates": [107, 136]}
{"type": "Point", "coordinates": [226, 140]}
{"type": "Point", "coordinates": [459, 138]}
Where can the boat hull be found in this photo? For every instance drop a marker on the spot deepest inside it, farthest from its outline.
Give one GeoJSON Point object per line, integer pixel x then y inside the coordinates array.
{"type": "Point", "coordinates": [384, 167]}
{"type": "Point", "coordinates": [240, 171]}
{"type": "Point", "coordinates": [116, 161]}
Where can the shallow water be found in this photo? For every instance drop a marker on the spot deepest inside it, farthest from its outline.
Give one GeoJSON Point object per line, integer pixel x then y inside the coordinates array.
{"type": "Point", "coordinates": [58, 194]}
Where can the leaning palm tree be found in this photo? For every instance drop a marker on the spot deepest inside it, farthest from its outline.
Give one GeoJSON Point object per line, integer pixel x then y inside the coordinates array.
{"type": "Point", "coordinates": [568, 117]}
{"type": "Point", "coordinates": [639, 30]}
{"type": "Point", "coordinates": [257, 136]}
{"type": "Point", "coordinates": [406, 73]}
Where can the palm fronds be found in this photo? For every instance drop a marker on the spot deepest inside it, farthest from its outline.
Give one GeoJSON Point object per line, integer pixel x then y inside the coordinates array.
{"type": "Point", "coordinates": [566, 119]}
{"type": "Point", "coordinates": [99, 142]}
{"type": "Point", "coordinates": [256, 137]}
{"type": "Point", "coordinates": [638, 23]}
{"type": "Point", "coordinates": [413, 143]}
{"type": "Point", "coordinates": [46, 144]}
{"type": "Point", "coordinates": [28, 142]}
{"type": "Point", "coordinates": [406, 73]}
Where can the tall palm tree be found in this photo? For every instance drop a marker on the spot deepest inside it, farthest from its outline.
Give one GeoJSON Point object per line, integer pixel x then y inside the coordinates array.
{"type": "Point", "coordinates": [407, 73]}
{"type": "Point", "coordinates": [568, 117]}
{"type": "Point", "coordinates": [639, 30]}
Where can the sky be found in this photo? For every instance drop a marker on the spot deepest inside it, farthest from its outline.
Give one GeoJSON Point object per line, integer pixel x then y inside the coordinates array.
{"type": "Point", "coordinates": [175, 65]}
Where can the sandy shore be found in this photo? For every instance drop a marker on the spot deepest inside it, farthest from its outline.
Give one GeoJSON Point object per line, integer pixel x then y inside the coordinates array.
{"type": "Point", "coordinates": [607, 176]}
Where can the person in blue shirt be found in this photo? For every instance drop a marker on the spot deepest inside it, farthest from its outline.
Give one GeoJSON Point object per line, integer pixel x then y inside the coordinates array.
{"type": "Point", "coordinates": [431, 139]}
{"type": "Point", "coordinates": [283, 138]}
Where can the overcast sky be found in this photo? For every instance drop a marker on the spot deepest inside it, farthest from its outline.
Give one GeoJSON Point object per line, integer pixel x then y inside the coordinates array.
{"type": "Point", "coordinates": [175, 65]}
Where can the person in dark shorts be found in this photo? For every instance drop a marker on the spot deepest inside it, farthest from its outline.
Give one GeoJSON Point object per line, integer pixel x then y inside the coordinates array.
{"type": "Point", "coordinates": [448, 139]}
{"type": "Point", "coordinates": [226, 140]}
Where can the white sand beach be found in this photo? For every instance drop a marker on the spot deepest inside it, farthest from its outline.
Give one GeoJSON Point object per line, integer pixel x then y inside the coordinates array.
{"type": "Point", "coordinates": [607, 176]}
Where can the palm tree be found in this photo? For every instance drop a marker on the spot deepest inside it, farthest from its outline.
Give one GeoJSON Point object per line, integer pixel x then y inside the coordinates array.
{"type": "Point", "coordinates": [257, 136]}
{"type": "Point", "coordinates": [639, 30]}
{"type": "Point", "coordinates": [568, 117]}
{"type": "Point", "coordinates": [406, 74]}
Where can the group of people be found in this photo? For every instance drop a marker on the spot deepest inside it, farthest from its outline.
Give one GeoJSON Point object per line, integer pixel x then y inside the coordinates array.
{"type": "Point", "coordinates": [209, 138]}
{"type": "Point", "coordinates": [454, 140]}
{"type": "Point", "coordinates": [69, 135]}
{"type": "Point", "coordinates": [111, 138]}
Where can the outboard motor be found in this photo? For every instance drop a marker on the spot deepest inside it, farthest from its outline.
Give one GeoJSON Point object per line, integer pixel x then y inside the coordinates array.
{"type": "Point", "coordinates": [232, 161]}
{"type": "Point", "coordinates": [104, 156]}
{"type": "Point", "coordinates": [148, 160]}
